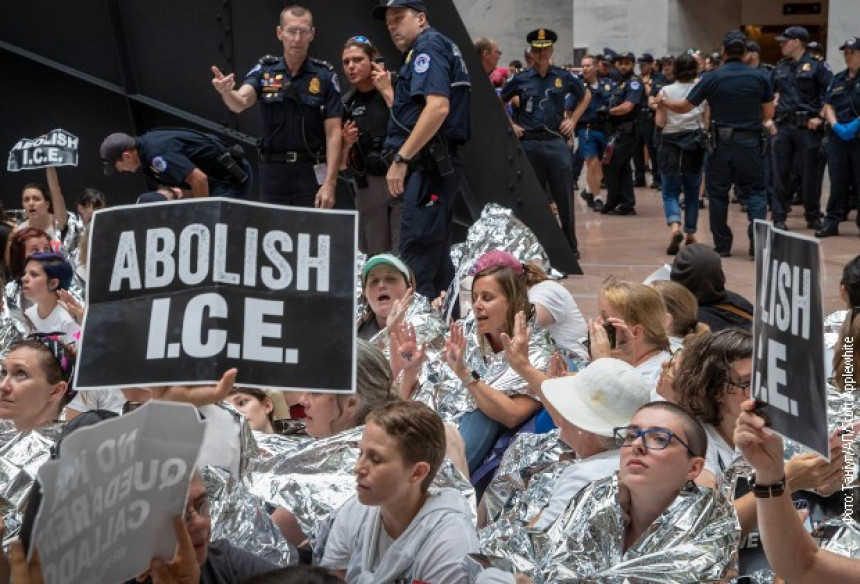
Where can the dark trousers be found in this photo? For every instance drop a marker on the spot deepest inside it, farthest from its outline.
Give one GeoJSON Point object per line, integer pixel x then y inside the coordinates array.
{"type": "Point", "coordinates": [843, 160]}
{"type": "Point", "coordinates": [736, 161]}
{"type": "Point", "coordinates": [425, 230]}
{"type": "Point", "coordinates": [578, 163]}
{"type": "Point", "coordinates": [618, 174]}
{"type": "Point", "coordinates": [288, 183]}
{"type": "Point", "coordinates": [645, 139]}
{"type": "Point", "coordinates": [793, 145]}
{"type": "Point", "coordinates": [551, 161]}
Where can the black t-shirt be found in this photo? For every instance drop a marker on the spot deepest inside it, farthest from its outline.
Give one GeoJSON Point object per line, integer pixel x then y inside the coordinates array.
{"type": "Point", "coordinates": [369, 112]}
{"type": "Point", "coordinates": [226, 564]}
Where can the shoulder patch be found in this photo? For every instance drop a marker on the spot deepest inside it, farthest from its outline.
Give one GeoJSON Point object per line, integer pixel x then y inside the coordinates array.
{"type": "Point", "coordinates": [256, 68]}
{"type": "Point", "coordinates": [422, 63]}
{"type": "Point", "coordinates": [335, 82]}
{"type": "Point", "coordinates": [634, 85]}
{"type": "Point", "coordinates": [321, 63]}
{"type": "Point", "coordinates": [268, 60]}
{"type": "Point", "coordinates": [159, 164]}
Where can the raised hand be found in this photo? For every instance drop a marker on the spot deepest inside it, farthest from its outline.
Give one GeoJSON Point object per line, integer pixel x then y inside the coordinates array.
{"type": "Point", "coordinates": [222, 83]}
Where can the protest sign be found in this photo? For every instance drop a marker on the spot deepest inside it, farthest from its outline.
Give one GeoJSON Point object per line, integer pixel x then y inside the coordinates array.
{"type": "Point", "coordinates": [179, 292]}
{"type": "Point", "coordinates": [56, 148]}
{"type": "Point", "coordinates": [109, 500]}
{"type": "Point", "coordinates": [789, 373]}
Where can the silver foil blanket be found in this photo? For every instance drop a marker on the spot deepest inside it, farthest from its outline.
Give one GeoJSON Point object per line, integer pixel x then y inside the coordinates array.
{"type": "Point", "coordinates": [312, 478]}
{"type": "Point", "coordinates": [443, 391]}
{"type": "Point", "coordinates": [21, 455]}
{"type": "Point", "coordinates": [14, 325]}
{"type": "Point", "coordinates": [242, 519]}
{"type": "Point", "coordinates": [694, 540]}
{"type": "Point", "coordinates": [524, 480]}
{"type": "Point", "coordinates": [430, 329]}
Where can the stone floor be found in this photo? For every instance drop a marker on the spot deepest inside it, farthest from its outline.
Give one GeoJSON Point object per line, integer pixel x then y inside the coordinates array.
{"type": "Point", "coordinates": [631, 247]}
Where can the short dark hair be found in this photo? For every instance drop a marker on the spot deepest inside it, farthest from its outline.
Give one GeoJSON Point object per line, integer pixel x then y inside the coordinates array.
{"type": "Point", "coordinates": [685, 68]}
{"type": "Point", "coordinates": [363, 45]}
{"type": "Point", "coordinates": [297, 11]}
{"type": "Point", "coordinates": [697, 438]}
{"type": "Point", "coordinates": [295, 575]}
{"type": "Point", "coordinates": [704, 371]}
{"type": "Point", "coordinates": [419, 432]}
{"type": "Point", "coordinates": [43, 190]}
{"type": "Point", "coordinates": [56, 266]}
{"type": "Point", "coordinates": [92, 197]}
{"type": "Point", "coordinates": [851, 281]}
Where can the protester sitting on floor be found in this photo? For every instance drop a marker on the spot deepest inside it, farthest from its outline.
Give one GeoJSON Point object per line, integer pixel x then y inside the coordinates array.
{"type": "Point", "coordinates": [23, 244]}
{"type": "Point", "coordinates": [387, 285]}
{"type": "Point", "coordinates": [498, 293]}
{"type": "Point", "coordinates": [44, 275]}
{"type": "Point", "coordinates": [295, 575]}
{"type": "Point", "coordinates": [34, 382]}
{"type": "Point", "coordinates": [587, 407]}
{"type": "Point", "coordinates": [699, 268]}
{"type": "Point", "coordinates": [396, 527]}
{"type": "Point", "coordinates": [849, 288]}
{"type": "Point", "coordinates": [714, 379]}
{"type": "Point", "coordinates": [682, 307]}
{"type": "Point", "coordinates": [638, 319]}
{"type": "Point", "coordinates": [256, 406]}
{"type": "Point", "coordinates": [790, 550]}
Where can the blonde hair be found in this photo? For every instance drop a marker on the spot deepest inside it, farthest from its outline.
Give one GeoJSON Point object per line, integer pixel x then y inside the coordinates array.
{"type": "Point", "coordinates": [642, 305]}
{"type": "Point", "coordinates": [683, 307]}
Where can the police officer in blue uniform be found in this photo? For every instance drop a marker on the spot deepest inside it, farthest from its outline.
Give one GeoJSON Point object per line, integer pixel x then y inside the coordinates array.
{"type": "Point", "coordinates": [741, 102]}
{"type": "Point", "coordinates": [301, 106]}
{"type": "Point", "coordinates": [645, 126]}
{"type": "Point", "coordinates": [188, 159]}
{"type": "Point", "coordinates": [628, 99]}
{"type": "Point", "coordinates": [593, 129]}
{"type": "Point", "coordinates": [549, 101]}
{"type": "Point", "coordinates": [842, 111]}
{"type": "Point", "coordinates": [800, 80]}
{"type": "Point", "coordinates": [429, 122]}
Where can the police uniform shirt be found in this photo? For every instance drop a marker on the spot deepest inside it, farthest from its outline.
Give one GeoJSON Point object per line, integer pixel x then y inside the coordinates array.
{"type": "Point", "coordinates": [658, 82]}
{"type": "Point", "coordinates": [601, 96]}
{"type": "Point", "coordinates": [543, 100]}
{"type": "Point", "coordinates": [801, 84]}
{"type": "Point", "coordinates": [735, 92]}
{"type": "Point", "coordinates": [629, 89]}
{"type": "Point", "coordinates": [844, 96]}
{"type": "Point", "coordinates": [169, 156]}
{"type": "Point", "coordinates": [312, 93]}
{"type": "Point", "coordinates": [433, 66]}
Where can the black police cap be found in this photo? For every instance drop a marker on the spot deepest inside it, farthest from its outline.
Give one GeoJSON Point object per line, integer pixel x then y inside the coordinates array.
{"type": "Point", "coordinates": [851, 43]}
{"type": "Point", "coordinates": [735, 38]}
{"type": "Point", "coordinates": [793, 32]}
{"type": "Point", "coordinates": [646, 58]}
{"type": "Point", "coordinates": [541, 38]}
{"type": "Point", "coordinates": [625, 56]}
{"type": "Point", "coordinates": [753, 47]}
{"type": "Point", "coordinates": [417, 5]}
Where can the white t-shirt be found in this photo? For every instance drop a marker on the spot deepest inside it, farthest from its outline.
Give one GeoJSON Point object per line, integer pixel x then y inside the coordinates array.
{"type": "Point", "coordinates": [571, 481]}
{"type": "Point", "coordinates": [431, 549]}
{"type": "Point", "coordinates": [59, 321]}
{"type": "Point", "coordinates": [108, 399]}
{"type": "Point", "coordinates": [653, 367]}
{"type": "Point", "coordinates": [51, 230]}
{"type": "Point", "coordinates": [692, 120]}
{"type": "Point", "coordinates": [569, 325]}
{"type": "Point", "coordinates": [719, 455]}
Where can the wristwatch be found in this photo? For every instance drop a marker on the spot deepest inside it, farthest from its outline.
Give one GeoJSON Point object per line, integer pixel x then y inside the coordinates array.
{"type": "Point", "coordinates": [476, 377]}
{"type": "Point", "coordinates": [767, 491]}
{"type": "Point", "coordinates": [400, 159]}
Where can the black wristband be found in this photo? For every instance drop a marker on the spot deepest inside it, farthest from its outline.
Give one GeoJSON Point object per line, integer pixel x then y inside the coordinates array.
{"type": "Point", "coordinates": [767, 491]}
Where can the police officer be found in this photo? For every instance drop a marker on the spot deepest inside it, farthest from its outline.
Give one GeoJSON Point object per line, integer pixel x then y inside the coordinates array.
{"type": "Point", "coordinates": [429, 122]}
{"type": "Point", "coordinates": [842, 111]}
{"type": "Point", "coordinates": [366, 125]}
{"type": "Point", "coordinates": [594, 128]}
{"type": "Point", "coordinates": [180, 158]}
{"type": "Point", "coordinates": [301, 108]}
{"type": "Point", "coordinates": [628, 98]}
{"type": "Point", "coordinates": [753, 58]}
{"type": "Point", "coordinates": [544, 122]}
{"type": "Point", "coordinates": [645, 126]}
{"type": "Point", "coordinates": [800, 80]}
{"type": "Point", "coordinates": [741, 102]}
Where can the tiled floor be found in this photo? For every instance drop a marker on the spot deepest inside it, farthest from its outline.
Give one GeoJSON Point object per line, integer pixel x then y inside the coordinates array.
{"type": "Point", "coordinates": [631, 247]}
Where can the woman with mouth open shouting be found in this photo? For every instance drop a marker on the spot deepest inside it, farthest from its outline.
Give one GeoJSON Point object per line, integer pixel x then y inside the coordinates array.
{"type": "Point", "coordinates": [387, 285]}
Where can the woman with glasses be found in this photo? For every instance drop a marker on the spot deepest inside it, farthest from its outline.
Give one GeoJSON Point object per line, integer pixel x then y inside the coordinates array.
{"type": "Point", "coordinates": [366, 113]}
{"type": "Point", "coordinates": [713, 381]}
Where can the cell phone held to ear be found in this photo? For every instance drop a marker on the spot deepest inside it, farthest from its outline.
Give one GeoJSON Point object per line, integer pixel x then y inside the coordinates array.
{"type": "Point", "coordinates": [610, 332]}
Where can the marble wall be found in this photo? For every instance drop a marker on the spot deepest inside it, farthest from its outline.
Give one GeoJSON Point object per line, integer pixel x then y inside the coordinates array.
{"type": "Point", "coordinates": [843, 22]}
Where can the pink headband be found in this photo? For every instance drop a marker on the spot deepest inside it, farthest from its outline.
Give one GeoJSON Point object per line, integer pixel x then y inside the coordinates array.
{"type": "Point", "coordinates": [497, 257]}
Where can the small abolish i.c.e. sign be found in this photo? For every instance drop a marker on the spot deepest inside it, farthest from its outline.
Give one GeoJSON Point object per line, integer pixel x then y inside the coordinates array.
{"type": "Point", "coordinates": [179, 292]}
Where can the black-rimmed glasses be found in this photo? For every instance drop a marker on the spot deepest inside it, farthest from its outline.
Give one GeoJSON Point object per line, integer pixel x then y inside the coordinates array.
{"type": "Point", "coordinates": [652, 438]}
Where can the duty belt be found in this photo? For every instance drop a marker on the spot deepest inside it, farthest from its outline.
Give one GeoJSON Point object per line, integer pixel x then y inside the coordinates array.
{"type": "Point", "coordinates": [289, 157]}
{"type": "Point", "coordinates": [540, 135]}
{"type": "Point", "coordinates": [797, 118]}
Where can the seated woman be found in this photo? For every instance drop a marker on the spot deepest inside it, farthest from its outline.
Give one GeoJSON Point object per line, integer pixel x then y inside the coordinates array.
{"type": "Point", "coordinates": [256, 406]}
{"type": "Point", "coordinates": [712, 382]}
{"type": "Point", "coordinates": [34, 382]}
{"type": "Point", "coordinates": [682, 308]}
{"type": "Point", "coordinates": [555, 309]}
{"type": "Point", "coordinates": [397, 528]}
{"type": "Point", "coordinates": [849, 288]}
{"type": "Point", "coordinates": [638, 317]}
{"type": "Point", "coordinates": [385, 282]}
{"type": "Point", "coordinates": [631, 524]}
{"type": "Point", "coordinates": [699, 268]}
{"type": "Point", "coordinates": [44, 275]}
{"type": "Point", "coordinates": [499, 398]}
{"type": "Point", "coordinates": [23, 244]}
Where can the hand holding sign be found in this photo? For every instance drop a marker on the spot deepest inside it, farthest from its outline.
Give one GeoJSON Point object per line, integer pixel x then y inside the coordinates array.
{"type": "Point", "coordinates": [761, 447]}
{"type": "Point", "coordinates": [198, 395]}
{"type": "Point", "coordinates": [56, 148]}
{"type": "Point", "coordinates": [183, 569]}
{"type": "Point", "coordinates": [24, 571]}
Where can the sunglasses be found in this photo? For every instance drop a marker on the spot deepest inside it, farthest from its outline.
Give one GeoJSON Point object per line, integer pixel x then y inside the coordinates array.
{"type": "Point", "coordinates": [362, 40]}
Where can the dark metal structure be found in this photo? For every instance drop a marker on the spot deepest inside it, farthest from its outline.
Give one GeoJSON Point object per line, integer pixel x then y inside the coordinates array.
{"type": "Point", "coordinates": [93, 67]}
